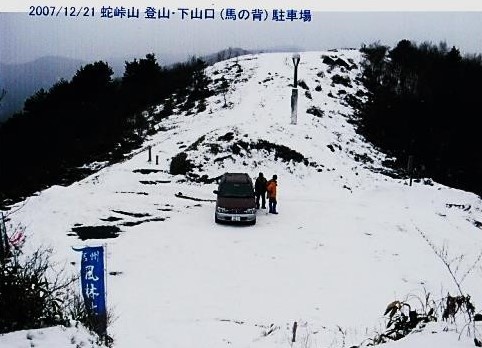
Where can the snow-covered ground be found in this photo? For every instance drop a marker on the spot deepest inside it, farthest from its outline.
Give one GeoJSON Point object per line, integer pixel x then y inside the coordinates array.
{"type": "Point", "coordinates": [52, 337]}
{"type": "Point", "coordinates": [348, 240]}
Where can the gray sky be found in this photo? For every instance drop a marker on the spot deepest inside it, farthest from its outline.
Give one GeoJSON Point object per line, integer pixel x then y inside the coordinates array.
{"type": "Point", "coordinates": [25, 38]}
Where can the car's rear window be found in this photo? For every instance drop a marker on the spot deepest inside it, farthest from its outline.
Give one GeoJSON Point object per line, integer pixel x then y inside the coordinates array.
{"type": "Point", "coordinates": [228, 189]}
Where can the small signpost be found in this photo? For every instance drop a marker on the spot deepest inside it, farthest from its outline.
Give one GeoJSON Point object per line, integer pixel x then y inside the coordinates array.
{"type": "Point", "coordinates": [295, 327]}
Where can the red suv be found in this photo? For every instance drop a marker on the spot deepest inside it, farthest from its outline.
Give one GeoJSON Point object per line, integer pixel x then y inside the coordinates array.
{"type": "Point", "coordinates": [235, 202]}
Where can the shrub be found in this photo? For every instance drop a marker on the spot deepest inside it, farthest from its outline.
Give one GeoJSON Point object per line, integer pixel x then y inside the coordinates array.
{"type": "Point", "coordinates": [328, 60]}
{"type": "Point", "coordinates": [214, 148]}
{"type": "Point", "coordinates": [353, 101]}
{"type": "Point", "coordinates": [341, 80]}
{"type": "Point", "coordinates": [29, 300]}
{"type": "Point", "coordinates": [403, 319]}
{"type": "Point", "coordinates": [338, 62]}
{"type": "Point", "coordinates": [281, 152]}
{"type": "Point", "coordinates": [315, 111]}
{"type": "Point", "coordinates": [226, 137]}
{"type": "Point", "coordinates": [195, 145]}
{"type": "Point", "coordinates": [180, 165]}
{"type": "Point", "coordinates": [79, 312]}
{"type": "Point", "coordinates": [35, 293]}
{"type": "Point", "coordinates": [303, 84]}
{"type": "Point", "coordinates": [201, 106]}
{"type": "Point", "coordinates": [235, 149]}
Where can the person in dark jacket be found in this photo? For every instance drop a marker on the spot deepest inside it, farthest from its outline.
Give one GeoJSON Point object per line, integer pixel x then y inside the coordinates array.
{"type": "Point", "coordinates": [271, 188]}
{"type": "Point", "coordinates": [260, 190]}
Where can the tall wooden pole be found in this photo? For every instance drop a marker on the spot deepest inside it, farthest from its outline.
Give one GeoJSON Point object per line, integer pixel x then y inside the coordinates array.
{"type": "Point", "coordinates": [294, 91]}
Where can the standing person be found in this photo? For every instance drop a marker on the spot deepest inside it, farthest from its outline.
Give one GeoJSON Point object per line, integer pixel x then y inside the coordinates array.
{"type": "Point", "coordinates": [271, 189]}
{"type": "Point", "coordinates": [260, 190]}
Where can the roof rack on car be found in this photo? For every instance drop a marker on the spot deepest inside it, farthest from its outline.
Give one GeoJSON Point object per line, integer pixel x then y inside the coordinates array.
{"type": "Point", "coordinates": [236, 177]}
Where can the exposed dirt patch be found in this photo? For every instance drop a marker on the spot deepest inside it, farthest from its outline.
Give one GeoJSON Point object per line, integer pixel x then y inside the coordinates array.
{"type": "Point", "coordinates": [111, 219]}
{"type": "Point", "coordinates": [96, 232]}
{"type": "Point", "coordinates": [147, 171]}
{"type": "Point", "coordinates": [135, 223]}
{"type": "Point", "coordinates": [135, 193]}
{"type": "Point", "coordinates": [180, 195]}
{"type": "Point", "coordinates": [464, 207]}
{"type": "Point", "coordinates": [136, 215]}
{"type": "Point", "coordinates": [221, 159]}
{"type": "Point", "coordinates": [154, 182]}
{"type": "Point", "coordinates": [115, 273]}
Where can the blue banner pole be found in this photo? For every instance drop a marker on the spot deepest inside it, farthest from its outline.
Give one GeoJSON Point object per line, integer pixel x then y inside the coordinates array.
{"type": "Point", "coordinates": [92, 281]}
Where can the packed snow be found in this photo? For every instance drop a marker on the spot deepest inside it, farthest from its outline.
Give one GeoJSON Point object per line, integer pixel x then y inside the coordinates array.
{"type": "Point", "coordinates": [349, 239]}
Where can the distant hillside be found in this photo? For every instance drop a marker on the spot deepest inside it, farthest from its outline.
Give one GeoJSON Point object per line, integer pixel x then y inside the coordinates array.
{"type": "Point", "coordinates": [233, 52]}
{"type": "Point", "coordinates": [22, 80]}
{"type": "Point", "coordinates": [225, 54]}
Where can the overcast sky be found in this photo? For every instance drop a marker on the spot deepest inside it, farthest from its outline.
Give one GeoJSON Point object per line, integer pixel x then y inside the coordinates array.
{"type": "Point", "coordinates": [25, 38]}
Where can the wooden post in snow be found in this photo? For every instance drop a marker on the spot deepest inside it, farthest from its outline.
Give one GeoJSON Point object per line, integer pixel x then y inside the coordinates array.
{"type": "Point", "coordinates": [4, 243]}
{"type": "Point", "coordinates": [295, 326]}
{"type": "Point", "coordinates": [294, 90]}
{"type": "Point", "coordinates": [410, 168]}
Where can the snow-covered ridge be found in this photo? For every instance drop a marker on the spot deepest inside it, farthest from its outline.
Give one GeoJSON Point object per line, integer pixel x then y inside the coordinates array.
{"type": "Point", "coordinates": [346, 243]}
{"type": "Point", "coordinates": [259, 112]}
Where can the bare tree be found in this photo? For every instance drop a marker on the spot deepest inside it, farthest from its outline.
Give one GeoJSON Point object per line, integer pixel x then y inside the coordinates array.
{"type": "Point", "coordinates": [224, 89]}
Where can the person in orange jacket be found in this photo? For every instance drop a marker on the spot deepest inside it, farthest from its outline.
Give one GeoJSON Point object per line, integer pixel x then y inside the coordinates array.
{"type": "Point", "coordinates": [271, 190]}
